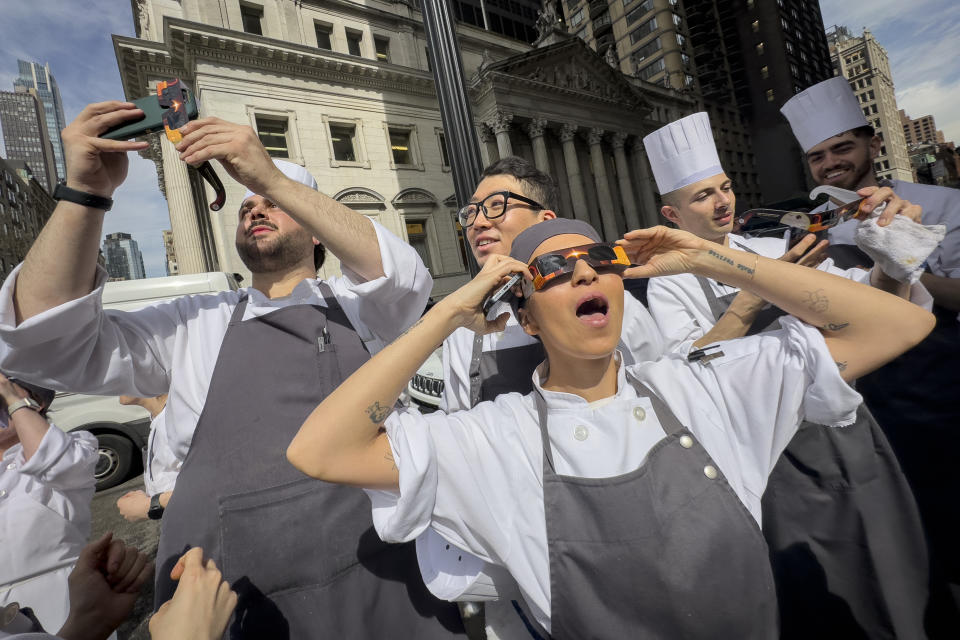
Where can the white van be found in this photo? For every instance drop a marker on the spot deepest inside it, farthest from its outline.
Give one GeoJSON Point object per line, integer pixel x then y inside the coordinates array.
{"type": "Point", "coordinates": [122, 431]}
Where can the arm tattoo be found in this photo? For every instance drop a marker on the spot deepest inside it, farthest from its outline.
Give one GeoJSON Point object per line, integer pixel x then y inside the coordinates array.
{"type": "Point", "coordinates": [378, 413]}
{"type": "Point", "coordinates": [836, 326]}
{"type": "Point", "coordinates": [411, 328]}
{"type": "Point", "coordinates": [745, 268]}
{"type": "Point", "coordinates": [722, 258]}
{"type": "Point", "coordinates": [389, 458]}
{"type": "Point", "coordinates": [842, 366]}
{"type": "Point", "coordinates": [816, 300]}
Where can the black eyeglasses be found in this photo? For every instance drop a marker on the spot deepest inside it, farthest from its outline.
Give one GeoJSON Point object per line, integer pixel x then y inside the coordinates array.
{"type": "Point", "coordinates": [493, 206]}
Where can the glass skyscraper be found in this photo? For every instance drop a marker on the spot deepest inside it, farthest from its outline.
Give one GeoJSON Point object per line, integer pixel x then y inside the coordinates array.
{"type": "Point", "coordinates": [34, 75]}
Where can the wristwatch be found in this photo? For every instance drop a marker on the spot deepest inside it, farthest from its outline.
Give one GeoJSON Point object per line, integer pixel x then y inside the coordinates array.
{"type": "Point", "coordinates": [27, 402]}
{"type": "Point", "coordinates": [155, 512]}
{"type": "Point", "coordinates": [63, 192]}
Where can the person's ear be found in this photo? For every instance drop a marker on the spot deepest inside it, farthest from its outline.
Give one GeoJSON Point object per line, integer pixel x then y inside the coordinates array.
{"type": "Point", "coordinates": [547, 214]}
{"type": "Point", "coordinates": [670, 214]}
{"type": "Point", "coordinates": [875, 144]}
{"type": "Point", "coordinates": [527, 321]}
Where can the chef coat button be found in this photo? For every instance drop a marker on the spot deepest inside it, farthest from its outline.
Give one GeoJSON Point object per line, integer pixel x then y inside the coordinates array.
{"type": "Point", "coordinates": [639, 413]}
{"type": "Point", "coordinates": [3, 492]}
{"type": "Point", "coordinates": [710, 471]}
{"type": "Point", "coordinates": [12, 465]}
{"type": "Point", "coordinates": [580, 433]}
{"type": "Point", "coordinates": [686, 442]}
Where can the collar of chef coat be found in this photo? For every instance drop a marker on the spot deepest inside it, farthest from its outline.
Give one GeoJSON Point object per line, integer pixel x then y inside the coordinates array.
{"type": "Point", "coordinates": [562, 401]}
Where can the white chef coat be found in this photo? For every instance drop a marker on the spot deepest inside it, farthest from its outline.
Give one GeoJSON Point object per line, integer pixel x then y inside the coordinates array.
{"type": "Point", "coordinates": [172, 347]}
{"type": "Point", "coordinates": [45, 520]}
{"type": "Point", "coordinates": [476, 476]}
{"type": "Point", "coordinates": [640, 340]}
{"type": "Point", "coordinates": [162, 466]}
{"type": "Point", "coordinates": [683, 313]}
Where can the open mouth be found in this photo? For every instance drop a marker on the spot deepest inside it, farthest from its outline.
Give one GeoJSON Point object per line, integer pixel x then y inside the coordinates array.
{"type": "Point", "coordinates": [483, 242]}
{"type": "Point", "coordinates": [593, 309]}
{"type": "Point", "coordinates": [834, 174]}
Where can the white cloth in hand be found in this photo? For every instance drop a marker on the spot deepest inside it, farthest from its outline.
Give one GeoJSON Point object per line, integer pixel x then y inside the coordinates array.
{"type": "Point", "coordinates": [901, 247]}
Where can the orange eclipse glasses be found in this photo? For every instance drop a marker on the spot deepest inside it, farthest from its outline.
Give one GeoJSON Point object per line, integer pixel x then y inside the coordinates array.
{"type": "Point", "coordinates": [601, 255]}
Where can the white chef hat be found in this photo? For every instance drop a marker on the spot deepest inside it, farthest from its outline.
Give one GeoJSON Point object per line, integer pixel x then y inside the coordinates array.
{"type": "Point", "coordinates": [822, 111]}
{"type": "Point", "coordinates": [293, 171]}
{"type": "Point", "coordinates": [683, 152]}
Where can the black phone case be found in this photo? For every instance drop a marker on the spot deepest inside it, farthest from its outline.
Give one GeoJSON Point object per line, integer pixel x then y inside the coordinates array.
{"type": "Point", "coordinates": [152, 121]}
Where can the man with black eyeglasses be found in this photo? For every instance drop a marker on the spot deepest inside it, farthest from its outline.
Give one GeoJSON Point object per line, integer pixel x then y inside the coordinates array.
{"type": "Point", "coordinates": [512, 196]}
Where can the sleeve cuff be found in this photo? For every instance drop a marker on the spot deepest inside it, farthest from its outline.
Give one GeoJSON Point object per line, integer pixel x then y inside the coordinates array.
{"type": "Point", "coordinates": [451, 573]}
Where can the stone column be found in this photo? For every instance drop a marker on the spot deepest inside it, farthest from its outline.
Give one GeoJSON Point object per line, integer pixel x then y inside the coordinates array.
{"type": "Point", "coordinates": [650, 212]}
{"type": "Point", "coordinates": [595, 138]}
{"type": "Point", "coordinates": [623, 176]}
{"type": "Point", "coordinates": [568, 134]}
{"type": "Point", "coordinates": [488, 145]}
{"type": "Point", "coordinates": [501, 127]}
{"type": "Point", "coordinates": [536, 129]}
{"type": "Point", "coordinates": [183, 212]}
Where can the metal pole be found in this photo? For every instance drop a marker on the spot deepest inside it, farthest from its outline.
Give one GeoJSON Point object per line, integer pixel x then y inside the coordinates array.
{"type": "Point", "coordinates": [463, 146]}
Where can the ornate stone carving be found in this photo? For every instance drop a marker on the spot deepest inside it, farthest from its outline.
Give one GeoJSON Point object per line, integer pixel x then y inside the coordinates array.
{"type": "Point", "coordinates": [500, 123]}
{"type": "Point", "coordinates": [143, 19]}
{"type": "Point", "coordinates": [547, 18]}
{"type": "Point", "coordinates": [486, 136]}
{"type": "Point", "coordinates": [595, 135]}
{"type": "Point", "coordinates": [536, 127]}
{"type": "Point", "coordinates": [414, 196]}
{"type": "Point", "coordinates": [611, 57]}
{"type": "Point", "coordinates": [568, 131]}
{"type": "Point", "coordinates": [620, 139]}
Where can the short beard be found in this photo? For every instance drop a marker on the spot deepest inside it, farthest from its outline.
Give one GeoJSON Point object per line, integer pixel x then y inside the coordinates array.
{"type": "Point", "coordinates": [283, 253]}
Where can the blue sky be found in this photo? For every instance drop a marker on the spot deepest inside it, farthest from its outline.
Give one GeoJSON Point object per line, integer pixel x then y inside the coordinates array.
{"type": "Point", "coordinates": [921, 37]}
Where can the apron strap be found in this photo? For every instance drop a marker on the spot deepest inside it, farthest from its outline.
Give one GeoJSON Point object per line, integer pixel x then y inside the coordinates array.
{"type": "Point", "coordinates": [334, 312]}
{"type": "Point", "coordinates": [237, 316]}
{"type": "Point", "coordinates": [475, 381]}
{"type": "Point", "coordinates": [717, 308]}
{"type": "Point", "coordinates": [668, 420]}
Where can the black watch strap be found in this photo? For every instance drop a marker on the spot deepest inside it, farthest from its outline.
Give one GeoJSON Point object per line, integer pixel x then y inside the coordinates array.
{"type": "Point", "coordinates": [63, 192]}
{"type": "Point", "coordinates": [156, 509]}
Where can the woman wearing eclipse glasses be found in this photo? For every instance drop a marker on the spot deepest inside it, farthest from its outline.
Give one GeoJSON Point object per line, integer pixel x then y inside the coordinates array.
{"type": "Point", "coordinates": [624, 500]}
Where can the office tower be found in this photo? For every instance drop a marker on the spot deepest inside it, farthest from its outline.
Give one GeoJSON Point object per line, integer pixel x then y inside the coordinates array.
{"type": "Point", "coordinates": [24, 208]}
{"type": "Point", "coordinates": [123, 258]}
{"type": "Point", "coordinates": [25, 135]}
{"type": "Point", "coordinates": [863, 62]}
{"type": "Point", "coordinates": [171, 252]}
{"type": "Point", "coordinates": [920, 130]}
{"type": "Point", "coordinates": [34, 75]}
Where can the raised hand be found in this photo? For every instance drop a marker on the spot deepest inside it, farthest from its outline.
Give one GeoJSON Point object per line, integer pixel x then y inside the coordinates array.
{"type": "Point", "coordinates": [661, 251]}
{"type": "Point", "coordinates": [96, 165]}
{"type": "Point", "coordinates": [201, 606]}
{"type": "Point", "coordinates": [895, 204]}
{"type": "Point", "coordinates": [808, 252]}
{"type": "Point", "coordinates": [465, 304]}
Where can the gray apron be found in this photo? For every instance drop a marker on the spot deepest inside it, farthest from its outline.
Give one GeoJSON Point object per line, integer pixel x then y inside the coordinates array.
{"type": "Point", "coordinates": [848, 550]}
{"type": "Point", "coordinates": [665, 551]}
{"type": "Point", "coordinates": [502, 371]}
{"type": "Point", "coordinates": [302, 554]}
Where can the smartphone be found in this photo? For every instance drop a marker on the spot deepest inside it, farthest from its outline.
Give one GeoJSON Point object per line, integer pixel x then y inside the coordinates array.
{"type": "Point", "coordinates": [152, 120]}
{"type": "Point", "coordinates": [502, 293]}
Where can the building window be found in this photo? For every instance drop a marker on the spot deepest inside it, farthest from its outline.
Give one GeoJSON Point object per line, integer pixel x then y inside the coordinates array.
{"type": "Point", "coordinates": [417, 237]}
{"type": "Point", "coordinates": [323, 35]}
{"type": "Point", "coordinates": [794, 70]}
{"type": "Point", "coordinates": [677, 20]}
{"type": "Point", "coordinates": [400, 146]}
{"type": "Point", "coordinates": [382, 46]}
{"type": "Point", "coordinates": [764, 72]}
{"type": "Point", "coordinates": [681, 39]}
{"type": "Point", "coordinates": [783, 23]}
{"type": "Point", "coordinates": [576, 18]}
{"type": "Point", "coordinates": [651, 70]}
{"type": "Point", "coordinates": [687, 80]}
{"type": "Point", "coordinates": [789, 46]}
{"type": "Point", "coordinates": [760, 49]}
{"type": "Point", "coordinates": [643, 30]}
{"type": "Point", "coordinates": [646, 50]}
{"type": "Point", "coordinates": [273, 135]}
{"type": "Point", "coordinates": [639, 11]}
{"type": "Point", "coordinates": [770, 95]}
{"type": "Point", "coordinates": [354, 38]}
{"type": "Point", "coordinates": [460, 244]}
{"type": "Point", "coordinates": [755, 25]}
{"type": "Point", "coordinates": [444, 154]}
{"type": "Point", "coordinates": [346, 143]}
{"type": "Point", "coordinates": [252, 16]}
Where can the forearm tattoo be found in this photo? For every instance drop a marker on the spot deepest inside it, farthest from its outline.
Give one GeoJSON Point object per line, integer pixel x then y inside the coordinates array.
{"type": "Point", "coordinates": [720, 257]}
{"type": "Point", "coordinates": [842, 366]}
{"type": "Point", "coordinates": [378, 413]}
{"type": "Point", "coordinates": [816, 300]}
{"type": "Point", "coordinates": [836, 326]}
{"type": "Point", "coordinates": [389, 458]}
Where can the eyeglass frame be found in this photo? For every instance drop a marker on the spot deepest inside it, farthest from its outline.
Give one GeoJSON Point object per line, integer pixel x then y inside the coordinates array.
{"type": "Point", "coordinates": [482, 208]}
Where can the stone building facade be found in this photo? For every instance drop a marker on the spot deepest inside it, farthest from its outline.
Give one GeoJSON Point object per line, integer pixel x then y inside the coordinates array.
{"type": "Point", "coordinates": [864, 63]}
{"type": "Point", "coordinates": [345, 89]}
{"type": "Point", "coordinates": [25, 206]}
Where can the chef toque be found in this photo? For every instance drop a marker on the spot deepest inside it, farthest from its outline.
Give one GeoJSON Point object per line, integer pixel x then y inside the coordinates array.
{"type": "Point", "coordinates": [683, 152]}
{"type": "Point", "coordinates": [822, 111]}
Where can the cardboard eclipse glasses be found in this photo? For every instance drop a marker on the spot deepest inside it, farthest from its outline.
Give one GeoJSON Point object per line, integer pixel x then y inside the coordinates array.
{"type": "Point", "coordinates": [550, 266]}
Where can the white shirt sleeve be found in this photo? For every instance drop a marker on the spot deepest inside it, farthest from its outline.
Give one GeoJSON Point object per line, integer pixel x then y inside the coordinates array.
{"type": "Point", "coordinates": [641, 338]}
{"type": "Point", "coordinates": [918, 293]}
{"type": "Point", "coordinates": [671, 307]}
{"type": "Point", "coordinates": [64, 461]}
{"type": "Point", "coordinates": [383, 308]}
{"type": "Point", "coordinates": [79, 347]}
{"type": "Point", "coordinates": [456, 371]}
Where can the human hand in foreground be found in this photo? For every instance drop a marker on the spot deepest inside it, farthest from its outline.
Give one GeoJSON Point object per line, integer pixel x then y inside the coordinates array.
{"type": "Point", "coordinates": [661, 251]}
{"type": "Point", "coordinates": [201, 606]}
{"type": "Point", "coordinates": [875, 196]}
{"type": "Point", "coordinates": [134, 505]}
{"type": "Point", "coordinates": [465, 304]}
{"type": "Point", "coordinates": [104, 585]}
{"type": "Point", "coordinates": [808, 252]}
